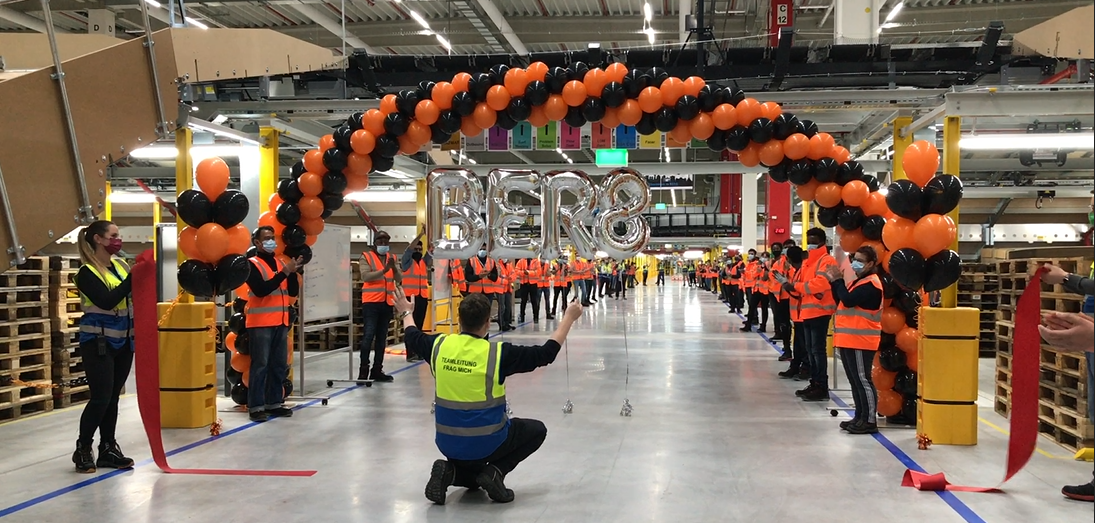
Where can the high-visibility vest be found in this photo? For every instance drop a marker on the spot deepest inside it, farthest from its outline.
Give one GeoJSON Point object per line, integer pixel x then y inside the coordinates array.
{"type": "Point", "coordinates": [481, 269]}
{"type": "Point", "coordinates": [469, 398]}
{"type": "Point", "coordinates": [750, 279]}
{"type": "Point", "coordinates": [505, 277]}
{"type": "Point", "coordinates": [529, 270]}
{"type": "Point", "coordinates": [116, 325]}
{"type": "Point", "coordinates": [456, 274]}
{"type": "Point", "coordinates": [816, 296]}
{"type": "Point", "coordinates": [416, 282]}
{"type": "Point", "coordinates": [271, 310]}
{"type": "Point", "coordinates": [775, 288]}
{"type": "Point", "coordinates": [561, 277]}
{"type": "Point", "coordinates": [856, 327]}
{"type": "Point", "coordinates": [736, 273]}
{"type": "Point", "coordinates": [378, 291]}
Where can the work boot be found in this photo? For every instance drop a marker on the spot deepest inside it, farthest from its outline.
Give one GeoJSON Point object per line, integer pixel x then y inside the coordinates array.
{"type": "Point", "coordinates": [279, 412]}
{"type": "Point", "coordinates": [845, 424]}
{"type": "Point", "coordinates": [380, 377]}
{"type": "Point", "coordinates": [763, 328]}
{"type": "Point", "coordinates": [786, 356]}
{"type": "Point", "coordinates": [788, 374]}
{"type": "Point", "coordinates": [363, 374]}
{"type": "Point", "coordinates": [820, 393]}
{"type": "Point", "coordinates": [111, 457]}
{"type": "Point", "coordinates": [259, 416]}
{"type": "Point", "coordinates": [84, 459]}
{"type": "Point", "coordinates": [1085, 492]}
{"type": "Point", "coordinates": [441, 476]}
{"type": "Point", "coordinates": [490, 478]}
{"type": "Point", "coordinates": [803, 375]}
{"type": "Point", "coordinates": [862, 427]}
{"type": "Point", "coordinates": [809, 388]}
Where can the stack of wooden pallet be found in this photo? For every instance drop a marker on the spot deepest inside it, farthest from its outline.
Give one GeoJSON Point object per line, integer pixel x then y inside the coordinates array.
{"type": "Point", "coordinates": [68, 369]}
{"type": "Point", "coordinates": [1062, 387]}
{"type": "Point", "coordinates": [978, 287]}
{"type": "Point", "coordinates": [24, 340]}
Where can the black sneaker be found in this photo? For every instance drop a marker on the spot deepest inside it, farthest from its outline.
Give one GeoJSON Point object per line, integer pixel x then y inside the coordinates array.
{"type": "Point", "coordinates": [786, 357]}
{"type": "Point", "coordinates": [363, 374]}
{"type": "Point", "coordinates": [820, 393]}
{"type": "Point", "coordinates": [862, 428]}
{"type": "Point", "coordinates": [441, 476]}
{"type": "Point", "coordinates": [84, 459]}
{"type": "Point", "coordinates": [809, 388]}
{"type": "Point", "coordinates": [111, 457]}
{"type": "Point", "coordinates": [280, 412]}
{"type": "Point", "coordinates": [491, 480]}
{"type": "Point", "coordinates": [788, 374]}
{"type": "Point", "coordinates": [845, 424]}
{"type": "Point", "coordinates": [550, 317]}
{"type": "Point", "coordinates": [259, 416]}
{"type": "Point", "coordinates": [1085, 492]}
{"type": "Point", "coordinates": [744, 329]}
{"type": "Point", "coordinates": [380, 377]}
{"type": "Point", "coordinates": [803, 375]}
{"type": "Point", "coordinates": [413, 358]}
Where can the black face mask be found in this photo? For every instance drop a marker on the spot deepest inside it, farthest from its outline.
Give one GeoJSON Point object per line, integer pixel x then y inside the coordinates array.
{"type": "Point", "coordinates": [776, 253]}
{"type": "Point", "coordinates": [416, 256]}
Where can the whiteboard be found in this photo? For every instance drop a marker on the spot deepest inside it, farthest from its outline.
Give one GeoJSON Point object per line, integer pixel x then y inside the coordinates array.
{"type": "Point", "coordinates": [327, 283]}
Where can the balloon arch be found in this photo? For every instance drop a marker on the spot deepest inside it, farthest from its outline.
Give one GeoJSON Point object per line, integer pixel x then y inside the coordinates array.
{"type": "Point", "coordinates": [906, 225]}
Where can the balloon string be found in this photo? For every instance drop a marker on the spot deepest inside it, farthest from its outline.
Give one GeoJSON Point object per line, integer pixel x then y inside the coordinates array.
{"type": "Point", "coordinates": [566, 359]}
{"type": "Point", "coordinates": [627, 358]}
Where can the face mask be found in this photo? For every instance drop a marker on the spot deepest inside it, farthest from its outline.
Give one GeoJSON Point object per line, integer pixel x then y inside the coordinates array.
{"type": "Point", "coordinates": [416, 256]}
{"type": "Point", "coordinates": [857, 266]}
{"type": "Point", "coordinates": [482, 253]}
{"type": "Point", "coordinates": [764, 258]}
{"type": "Point", "coordinates": [811, 246]}
{"type": "Point", "coordinates": [752, 257]}
{"type": "Point", "coordinates": [114, 247]}
{"type": "Point", "coordinates": [382, 249]}
{"type": "Point", "coordinates": [269, 245]}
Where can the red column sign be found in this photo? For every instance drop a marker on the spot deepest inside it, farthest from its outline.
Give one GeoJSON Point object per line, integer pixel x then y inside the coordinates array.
{"type": "Point", "coordinates": [781, 15]}
{"type": "Point", "coordinates": [778, 207]}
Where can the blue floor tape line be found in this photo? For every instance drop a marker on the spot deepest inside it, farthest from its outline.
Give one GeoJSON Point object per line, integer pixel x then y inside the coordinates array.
{"type": "Point", "coordinates": [103, 477]}
{"type": "Point", "coordinates": [949, 498]}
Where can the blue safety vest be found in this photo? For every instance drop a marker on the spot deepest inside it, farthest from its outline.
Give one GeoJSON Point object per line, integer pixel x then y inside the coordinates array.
{"type": "Point", "coordinates": [470, 398]}
{"type": "Point", "coordinates": [116, 325]}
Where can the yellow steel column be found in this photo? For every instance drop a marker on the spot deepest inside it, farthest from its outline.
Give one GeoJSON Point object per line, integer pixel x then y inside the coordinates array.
{"type": "Point", "coordinates": [108, 208]}
{"type": "Point", "coordinates": [805, 221]}
{"type": "Point", "coordinates": [184, 180]}
{"type": "Point", "coordinates": [269, 164]}
{"type": "Point", "coordinates": [899, 145]}
{"type": "Point", "coordinates": [157, 217]}
{"type": "Point", "coordinates": [952, 155]}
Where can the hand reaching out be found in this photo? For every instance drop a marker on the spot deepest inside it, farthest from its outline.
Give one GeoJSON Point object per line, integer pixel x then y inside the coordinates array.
{"type": "Point", "coordinates": [1068, 330]}
{"type": "Point", "coordinates": [403, 303]}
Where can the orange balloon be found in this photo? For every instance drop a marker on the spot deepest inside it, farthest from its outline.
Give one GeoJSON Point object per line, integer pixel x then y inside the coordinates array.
{"type": "Point", "coordinates": [460, 81]}
{"type": "Point", "coordinates": [877, 246]}
{"type": "Point", "coordinates": [682, 133]}
{"type": "Point", "coordinates": [538, 117]}
{"type": "Point", "coordinates": [595, 81]}
{"type": "Point", "coordinates": [212, 176]}
{"type": "Point", "coordinates": [920, 161]}
{"type": "Point", "coordinates": [313, 162]}
{"type": "Point", "coordinates": [893, 320]}
{"type": "Point", "coordinates": [212, 242]}
{"type": "Point", "coordinates": [326, 142]}
{"type": "Point", "coordinates": [821, 145]}
{"type": "Point", "coordinates": [672, 90]}
{"type": "Point", "coordinates": [498, 98]}
{"type": "Point", "coordinates": [875, 205]}
{"type": "Point", "coordinates": [828, 194]}
{"type": "Point", "coordinates": [796, 146]}
{"type": "Point", "coordinates": [770, 110]}
{"type": "Point", "coordinates": [419, 133]}
{"type": "Point", "coordinates": [188, 243]}
{"type": "Point", "coordinates": [358, 164]}
{"type": "Point", "coordinates": [750, 156]}
{"type": "Point", "coordinates": [312, 226]}
{"type": "Point", "coordinates": [230, 342]}
{"type": "Point", "coordinates": [407, 145]}
{"type": "Point", "coordinates": [426, 112]}
{"type": "Point", "coordinates": [771, 153]}
{"type": "Point", "coordinates": [851, 240]}
{"type": "Point", "coordinates": [693, 85]}
{"type": "Point", "coordinates": [748, 110]}
{"type": "Point", "coordinates": [630, 113]}
{"type": "Point", "coordinates": [363, 142]}
{"type": "Point", "coordinates": [615, 72]}
{"type": "Point", "coordinates": [898, 233]}
{"type": "Point", "coordinates": [239, 239]}
{"type": "Point", "coordinates": [442, 95]}
{"type": "Point", "coordinates": [725, 116]}
{"type": "Point", "coordinates": [912, 359]}
{"type": "Point", "coordinates": [387, 104]}
{"type": "Point", "coordinates": [806, 192]}
{"type": "Point", "coordinates": [373, 121]}
{"type": "Point", "coordinates": [485, 116]}
{"type": "Point", "coordinates": [611, 119]}
{"type": "Point", "coordinates": [934, 233]}
{"type": "Point", "coordinates": [855, 193]}
{"type": "Point", "coordinates": [555, 108]}
{"type": "Point", "coordinates": [650, 99]}
{"type": "Point", "coordinates": [883, 379]}
{"type": "Point", "coordinates": [310, 207]}
{"type": "Point", "coordinates": [574, 93]}
{"type": "Point", "coordinates": [469, 128]}
{"type": "Point", "coordinates": [537, 71]}
{"type": "Point", "coordinates": [516, 80]}
{"type": "Point", "coordinates": [841, 154]}
{"type": "Point", "coordinates": [890, 402]}
{"type": "Point", "coordinates": [311, 240]}
{"type": "Point", "coordinates": [702, 126]}
{"type": "Point", "coordinates": [268, 219]}
{"type": "Point", "coordinates": [274, 201]}
{"type": "Point", "coordinates": [241, 363]}
{"type": "Point", "coordinates": [907, 339]}
{"type": "Point", "coordinates": [356, 181]}
{"type": "Point", "coordinates": [310, 183]}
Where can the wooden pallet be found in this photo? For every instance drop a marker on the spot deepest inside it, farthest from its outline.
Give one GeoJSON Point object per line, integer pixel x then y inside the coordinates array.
{"type": "Point", "coordinates": [66, 321]}
{"type": "Point", "coordinates": [19, 329]}
{"type": "Point", "coordinates": [16, 295]}
{"type": "Point", "coordinates": [64, 263]}
{"type": "Point", "coordinates": [65, 397]}
{"type": "Point", "coordinates": [1002, 402]}
{"type": "Point", "coordinates": [25, 342]}
{"type": "Point", "coordinates": [16, 362]}
{"type": "Point", "coordinates": [66, 338]}
{"type": "Point", "coordinates": [23, 310]}
{"type": "Point", "coordinates": [63, 279]}
{"type": "Point", "coordinates": [18, 278]}
{"type": "Point", "coordinates": [18, 402]}
{"type": "Point", "coordinates": [1064, 437]}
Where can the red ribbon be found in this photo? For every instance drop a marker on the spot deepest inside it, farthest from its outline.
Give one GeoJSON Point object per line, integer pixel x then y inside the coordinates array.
{"type": "Point", "coordinates": [1026, 345]}
{"type": "Point", "coordinates": [147, 364]}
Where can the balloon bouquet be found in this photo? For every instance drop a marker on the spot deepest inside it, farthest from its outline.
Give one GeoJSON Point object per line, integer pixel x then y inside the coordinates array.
{"type": "Point", "coordinates": [908, 228]}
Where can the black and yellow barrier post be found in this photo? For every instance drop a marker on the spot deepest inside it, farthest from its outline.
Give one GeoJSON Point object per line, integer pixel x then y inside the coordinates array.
{"type": "Point", "coordinates": [188, 365]}
{"type": "Point", "coordinates": [947, 375]}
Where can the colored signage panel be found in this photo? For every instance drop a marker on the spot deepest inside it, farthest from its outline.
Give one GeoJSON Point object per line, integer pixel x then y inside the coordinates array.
{"type": "Point", "coordinates": [600, 137]}
{"type": "Point", "coordinates": [782, 15]}
{"type": "Point", "coordinates": [570, 138]}
{"type": "Point", "coordinates": [521, 137]}
{"type": "Point", "coordinates": [673, 144]}
{"type": "Point", "coordinates": [547, 137]}
{"type": "Point", "coordinates": [476, 143]}
{"type": "Point", "coordinates": [497, 139]}
{"type": "Point", "coordinates": [453, 144]}
{"type": "Point", "coordinates": [626, 138]}
{"type": "Point", "coordinates": [651, 141]}
{"type": "Point", "coordinates": [611, 157]}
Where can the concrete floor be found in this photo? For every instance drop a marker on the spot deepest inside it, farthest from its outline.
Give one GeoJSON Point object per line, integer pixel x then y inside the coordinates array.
{"type": "Point", "coordinates": [715, 437]}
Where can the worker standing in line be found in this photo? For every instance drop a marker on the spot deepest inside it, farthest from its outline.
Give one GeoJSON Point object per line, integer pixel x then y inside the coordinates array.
{"type": "Point", "coordinates": [646, 273]}
{"type": "Point", "coordinates": [737, 272]}
{"type": "Point", "coordinates": [506, 284]}
{"type": "Point", "coordinates": [781, 309]}
{"type": "Point", "coordinates": [417, 267]}
{"type": "Point", "coordinates": [377, 291]}
{"type": "Point", "coordinates": [816, 308]}
{"type": "Point", "coordinates": [799, 369]}
{"type": "Point", "coordinates": [749, 281]}
{"type": "Point", "coordinates": [456, 274]}
{"type": "Point", "coordinates": [529, 270]}
{"type": "Point", "coordinates": [560, 285]}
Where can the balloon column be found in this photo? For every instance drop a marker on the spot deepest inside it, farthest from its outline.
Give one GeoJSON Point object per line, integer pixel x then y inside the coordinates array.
{"type": "Point", "coordinates": [214, 240]}
{"type": "Point", "coordinates": [238, 343]}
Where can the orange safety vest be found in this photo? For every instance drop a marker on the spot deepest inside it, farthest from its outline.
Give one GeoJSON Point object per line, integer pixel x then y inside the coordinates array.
{"type": "Point", "coordinates": [736, 273]}
{"type": "Point", "coordinates": [750, 279]}
{"type": "Point", "coordinates": [456, 273]}
{"type": "Point", "coordinates": [378, 291]}
{"type": "Point", "coordinates": [483, 285]}
{"type": "Point", "coordinates": [271, 310]}
{"type": "Point", "coordinates": [505, 277]}
{"type": "Point", "coordinates": [774, 287]}
{"type": "Point", "coordinates": [813, 287]}
{"type": "Point", "coordinates": [858, 328]}
{"type": "Point", "coordinates": [562, 276]}
{"type": "Point", "coordinates": [417, 280]}
{"type": "Point", "coordinates": [760, 278]}
{"type": "Point", "coordinates": [528, 270]}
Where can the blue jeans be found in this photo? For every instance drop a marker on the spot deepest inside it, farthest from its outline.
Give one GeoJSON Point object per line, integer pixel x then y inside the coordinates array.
{"type": "Point", "coordinates": [269, 367]}
{"type": "Point", "coordinates": [814, 332]}
{"type": "Point", "coordinates": [375, 319]}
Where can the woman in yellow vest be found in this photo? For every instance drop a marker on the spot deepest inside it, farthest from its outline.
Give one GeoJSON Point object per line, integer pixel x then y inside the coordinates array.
{"type": "Point", "coordinates": [857, 331]}
{"type": "Point", "coordinates": [106, 343]}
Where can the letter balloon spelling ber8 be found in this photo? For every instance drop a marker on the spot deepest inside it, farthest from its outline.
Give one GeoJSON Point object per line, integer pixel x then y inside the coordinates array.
{"type": "Point", "coordinates": [456, 227]}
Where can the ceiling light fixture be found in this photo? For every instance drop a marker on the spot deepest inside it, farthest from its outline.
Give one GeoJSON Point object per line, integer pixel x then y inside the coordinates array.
{"type": "Point", "coordinates": [895, 11]}
{"type": "Point", "coordinates": [444, 43]}
{"type": "Point", "coordinates": [1027, 142]}
{"type": "Point", "coordinates": [648, 12]}
{"type": "Point", "coordinates": [418, 18]}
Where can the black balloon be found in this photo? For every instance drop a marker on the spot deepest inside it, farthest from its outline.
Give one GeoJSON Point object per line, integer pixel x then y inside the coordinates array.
{"type": "Point", "coordinates": [760, 130]}
{"type": "Point", "coordinates": [327, 212]}
{"type": "Point", "coordinates": [737, 138]}
{"type": "Point", "coordinates": [406, 101]}
{"type": "Point", "coordinates": [354, 121]}
{"type": "Point", "coordinates": [825, 170]}
{"type": "Point", "coordinates": [708, 98]}
{"type": "Point", "coordinates": [890, 289]}
{"type": "Point", "coordinates": [555, 79]}
{"type": "Point", "coordinates": [237, 323]}
{"type": "Point", "coordinates": [396, 124]}
{"type": "Point", "coordinates": [287, 384]}
{"type": "Point", "coordinates": [239, 305]}
{"type": "Point", "coordinates": [829, 216]}
{"type": "Point", "coordinates": [905, 383]}
{"type": "Point", "coordinates": [943, 270]}
{"type": "Point", "coordinates": [872, 227]}
{"type": "Point", "coordinates": [887, 341]}
{"type": "Point", "coordinates": [907, 301]}
{"type": "Point", "coordinates": [665, 119]}
{"type": "Point", "coordinates": [912, 320]}
{"type": "Point", "coordinates": [942, 194]}
{"type": "Point", "coordinates": [892, 359]}
{"type": "Point", "coordinates": [232, 375]}
{"type": "Point", "coordinates": [438, 135]}
{"type": "Point", "coordinates": [784, 125]}
{"type": "Point", "coordinates": [800, 172]}
{"type": "Point", "coordinates": [613, 95]}
{"type": "Point", "coordinates": [646, 125]}
{"type": "Point", "coordinates": [463, 103]}
{"type": "Point", "coordinates": [872, 182]}
{"type": "Point", "coordinates": [387, 146]}
{"type": "Point", "coordinates": [778, 173]}
{"type": "Point", "coordinates": [196, 277]}
{"type": "Point", "coordinates": [904, 199]}
{"type": "Point", "coordinates": [658, 76]}
{"type": "Point", "coordinates": [593, 109]}
{"type": "Point", "coordinates": [252, 251]}
{"type": "Point", "coordinates": [334, 159]}
{"type": "Point", "coordinates": [717, 141]}
{"type": "Point", "coordinates": [688, 107]}
{"type": "Point", "coordinates": [849, 170]}
{"type": "Point", "coordinates": [296, 170]}
{"type": "Point", "coordinates": [536, 93]}
{"type": "Point", "coordinates": [448, 122]}
{"type": "Point", "coordinates": [239, 394]}
{"type": "Point", "coordinates": [478, 86]}
{"type": "Point", "coordinates": [294, 236]}
{"type": "Point", "coordinates": [577, 71]}
{"type": "Point", "coordinates": [332, 201]}
{"type": "Point", "coordinates": [809, 128]}
{"type": "Point", "coordinates": [342, 137]}
{"type": "Point", "coordinates": [907, 268]}
{"type": "Point", "coordinates": [504, 119]}
{"type": "Point", "coordinates": [382, 163]}
{"type": "Point", "coordinates": [230, 208]}
{"type": "Point", "coordinates": [498, 73]}
{"type": "Point", "coordinates": [334, 182]}
{"type": "Point", "coordinates": [909, 409]}
{"type": "Point", "coordinates": [733, 96]}
{"type": "Point", "coordinates": [231, 272]}
{"type": "Point", "coordinates": [574, 117]}
{"type": "Point", "coordinates": [304, 252]}
{"type": "Point", "coordinates": [634, 82]}
{"type": "Point", "coordinates": [425, 89]}
{"type": "Point", "coordinates": [194, 208]}
{"type": "Point", "coordinates": [850, 219]}
{"type": "Point", "coordinates": [243, 343]}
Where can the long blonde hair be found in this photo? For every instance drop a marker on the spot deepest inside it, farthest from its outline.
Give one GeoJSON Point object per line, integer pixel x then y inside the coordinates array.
{"type": "Point", "coordinates": [86, 242]}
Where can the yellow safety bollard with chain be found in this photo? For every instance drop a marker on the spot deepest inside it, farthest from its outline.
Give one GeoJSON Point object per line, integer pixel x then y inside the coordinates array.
{"type": "Point", "coordinates": [947, 375]}
{"type": "Point", "coordinates": [188, 364]}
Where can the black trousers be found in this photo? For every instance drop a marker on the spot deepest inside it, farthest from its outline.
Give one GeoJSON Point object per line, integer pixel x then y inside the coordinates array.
{"type": "Point", "coordinates": [524, 438]}
{"type": "Point", "coordinates": [857, 366]}
{"type": "Point", "coordinates": [758, 300]}
{"type": "Point", "coordinates": [421, 306]}
{"type": "Point", "coordinates": [661, 278]}
{"type": "Point", "coordinates": [781, 316]}
{"type": "Point", "coordinates": [374, 337]}
{"type": "Point", "coordinates": [106, 371]}
{"type": "Point", "coordinates": [529, 292]}
{"type": "Point", "coordinates": [800, 360]}
{"type": "Point", "coordinates": [565, 292]}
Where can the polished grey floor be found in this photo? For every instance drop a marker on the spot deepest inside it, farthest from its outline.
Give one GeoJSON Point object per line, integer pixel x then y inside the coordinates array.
{"type": "Point", "coordinates": [714, 437]}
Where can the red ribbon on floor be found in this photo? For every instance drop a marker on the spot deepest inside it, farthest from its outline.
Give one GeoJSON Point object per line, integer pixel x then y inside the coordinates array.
{"type": "Point", "coordinates": [1026, 347]}
{"type": "Point", "coordinates": [147, 365]}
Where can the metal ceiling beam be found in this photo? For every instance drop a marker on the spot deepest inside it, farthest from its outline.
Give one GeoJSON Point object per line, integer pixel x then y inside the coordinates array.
{"type": "Point", "coordinates": [331, 25]}
{"type": "Point", "coordinates": [1027, 101]}
{"type": "Point", "coordinates": [478, 25]}
{"type": "Point", "coordinates": [507, 31]}
{"type": "Point", "coordinates": [23, 19]}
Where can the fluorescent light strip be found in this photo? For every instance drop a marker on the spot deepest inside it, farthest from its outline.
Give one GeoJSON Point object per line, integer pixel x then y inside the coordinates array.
{"type": "Point", "coordinates": [1028, 142]}
{"type": "Point", "coordinates": [132, 197]}
{"type": "Point", "coordinates": [168, 152]}
{"type": "Point", "coordinates": [648, 13]}
{"type": "Point", "coordinates": [418, 18]}
{"type": "Point", "coordinates": [382, 196]}
{"type": "Point", "coordinates": [444, 43]}
{"type": "Point", "coordinates": [895, 11]}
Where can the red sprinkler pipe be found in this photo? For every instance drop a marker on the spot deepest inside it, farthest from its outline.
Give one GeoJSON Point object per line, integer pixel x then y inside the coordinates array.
{"type": "Point", "coordinates": [1067, 72]}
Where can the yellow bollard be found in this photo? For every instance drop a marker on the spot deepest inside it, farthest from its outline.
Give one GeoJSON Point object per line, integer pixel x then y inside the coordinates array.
{"type": "Point", "coordinates": [188, 366]}
{"type": "Point", "coordinates": [947, 375]}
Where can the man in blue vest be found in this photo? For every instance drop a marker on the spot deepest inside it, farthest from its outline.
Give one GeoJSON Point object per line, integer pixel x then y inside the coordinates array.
{"type": "Point", "coordinates": [474, 432]}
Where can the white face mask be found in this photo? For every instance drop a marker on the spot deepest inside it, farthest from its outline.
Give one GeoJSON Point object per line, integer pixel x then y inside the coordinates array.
{"type": "Point", "coordinates": [811, 246]}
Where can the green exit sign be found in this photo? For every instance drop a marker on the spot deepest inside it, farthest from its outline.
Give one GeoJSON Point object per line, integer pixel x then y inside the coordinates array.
{"type": "Point", "coordinates": [660, 206]}
{"type": "Point", "coordinates": [611, 158]}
